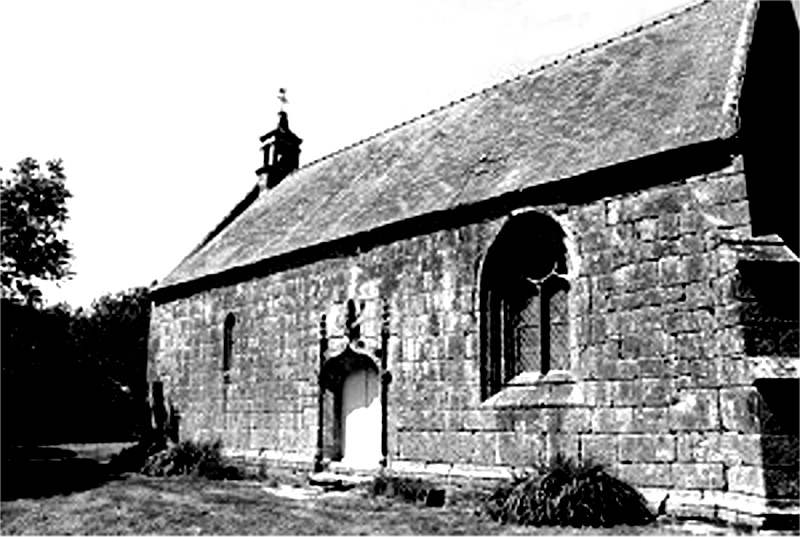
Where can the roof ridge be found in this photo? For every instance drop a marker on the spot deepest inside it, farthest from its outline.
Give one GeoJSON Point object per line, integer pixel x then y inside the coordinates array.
{"type": "Point", "coordinates": [558, 59]}
{"type": "Point", "coordinates": [733, 86]}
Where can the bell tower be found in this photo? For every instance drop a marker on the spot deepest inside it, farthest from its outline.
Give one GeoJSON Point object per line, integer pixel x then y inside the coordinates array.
{"type": "Point", "coordinates": [281, 149]}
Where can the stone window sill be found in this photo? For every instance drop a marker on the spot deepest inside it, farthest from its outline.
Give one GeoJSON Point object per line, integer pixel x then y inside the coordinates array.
{"type": "Point", "coordinates": [530, 378]}
{"type": "Point", "coordinates": [533, 390]}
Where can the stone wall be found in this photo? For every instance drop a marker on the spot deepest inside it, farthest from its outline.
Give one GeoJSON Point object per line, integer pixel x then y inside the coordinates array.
{"type": "Point", "coordinates": [660, 383]}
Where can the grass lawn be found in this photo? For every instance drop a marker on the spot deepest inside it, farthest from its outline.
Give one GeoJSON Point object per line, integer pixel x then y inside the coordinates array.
{"type": "Point", "coordinates": [170, 506]}
{"type": "Point", "coordinates": [66, 490]}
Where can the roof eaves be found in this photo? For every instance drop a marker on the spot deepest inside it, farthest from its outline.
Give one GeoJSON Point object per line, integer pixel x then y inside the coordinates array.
{"type": "Point", "coordinates": [226, 221]}
{"type": "Point", "coordinates": [721, 149]}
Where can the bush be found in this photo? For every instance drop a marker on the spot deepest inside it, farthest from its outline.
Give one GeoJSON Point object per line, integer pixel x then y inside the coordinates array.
{"type": "Point", "coordinates": [568, 494]}
{"type": "Point", "coordinates": [155, 458]}
{"type": "Point", "coordinates": [132, 458]}
{"type": "Point", "coordinates": [202, 459]}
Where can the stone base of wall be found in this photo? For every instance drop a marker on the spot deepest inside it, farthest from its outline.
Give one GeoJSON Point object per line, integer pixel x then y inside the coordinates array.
{"type": "Point", "coordinates": [267, 459]}
{"type": "Point", "coordinates": [731, 507]}
{"type": "Point", "coordinates": [452, 472]}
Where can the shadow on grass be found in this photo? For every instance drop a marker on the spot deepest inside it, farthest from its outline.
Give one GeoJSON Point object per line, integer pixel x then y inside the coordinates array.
{"type": "Point", "coordinates": [39, 472]}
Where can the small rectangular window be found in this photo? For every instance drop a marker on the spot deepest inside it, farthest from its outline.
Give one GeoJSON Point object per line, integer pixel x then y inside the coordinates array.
{"type": "Point", "coordinates": [227, 346]}
{"type": "Point", "coordinates": [559, 330]}
{"type": "Point", "coordinates": [528, 336]}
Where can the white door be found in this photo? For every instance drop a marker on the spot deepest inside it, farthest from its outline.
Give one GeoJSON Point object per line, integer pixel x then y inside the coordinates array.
{"type": "Point", "coordinates": [361, 420]}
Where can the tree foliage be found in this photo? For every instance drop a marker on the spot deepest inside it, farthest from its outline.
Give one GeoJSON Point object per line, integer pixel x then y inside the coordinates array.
{"type": "Point", "coordinates": [32, 215]}
{"type": "Point", "coordinates": [114, 338]}
{"type": "Point", "coordinates": [75, 375]}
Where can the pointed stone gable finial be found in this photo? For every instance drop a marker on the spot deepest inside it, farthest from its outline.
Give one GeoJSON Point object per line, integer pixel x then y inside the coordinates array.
{"type": "Point", "coordinates": [281, 150]}
{"type": "Point", "coordinates": [353, 322]}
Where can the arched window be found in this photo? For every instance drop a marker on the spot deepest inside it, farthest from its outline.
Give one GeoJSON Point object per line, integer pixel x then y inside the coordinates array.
{"type": "Point", "coordinates": [524, 307]}
{"type": "Point", "coordinates": [227, 346]}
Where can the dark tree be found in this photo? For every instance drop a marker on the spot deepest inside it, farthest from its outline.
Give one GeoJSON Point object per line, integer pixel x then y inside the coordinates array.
{"type": "Point", "coordinates": [32, 215]}
{"type": "Point", "coordinates": [109, 364]}
{"type": "Point", "coordinates": [75, 375]}
{"type": "Point", "coordinates": [114, 339]}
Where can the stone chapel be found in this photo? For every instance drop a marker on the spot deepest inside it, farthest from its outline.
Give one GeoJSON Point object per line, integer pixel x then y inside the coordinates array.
{"type": "Point", "coordinates": [597, 258]}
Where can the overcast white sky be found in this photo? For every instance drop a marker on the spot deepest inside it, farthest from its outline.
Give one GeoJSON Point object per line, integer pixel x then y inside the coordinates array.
{"type": "Point", "coordinates": [156, 107]}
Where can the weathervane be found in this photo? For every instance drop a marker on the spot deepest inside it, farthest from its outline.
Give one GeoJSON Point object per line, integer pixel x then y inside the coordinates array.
{"type": "Point", "coordinates": [282, 97]}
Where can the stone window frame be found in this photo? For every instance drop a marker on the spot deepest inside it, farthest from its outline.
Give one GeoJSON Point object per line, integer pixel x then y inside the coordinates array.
{"type": "Point", "coordinates": [493, 394]}
{"type": "Point", "coordinates": [227, 346]}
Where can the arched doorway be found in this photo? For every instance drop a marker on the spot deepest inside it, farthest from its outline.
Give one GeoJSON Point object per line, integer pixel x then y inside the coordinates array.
{"type": "Point", "coordinates": [352, 377]}
{"type": "Point", "coordinates": [361, 419]}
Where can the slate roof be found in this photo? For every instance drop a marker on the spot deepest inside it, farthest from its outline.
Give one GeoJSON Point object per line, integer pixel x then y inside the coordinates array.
{"type": "Point", "coordinates": [672, 82]}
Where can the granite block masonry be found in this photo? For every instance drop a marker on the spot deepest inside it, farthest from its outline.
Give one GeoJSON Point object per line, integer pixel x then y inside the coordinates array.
{"type": "Point", "coordinates": [660, 421]}
{"type": "Point", "coordinates": [486, 287]}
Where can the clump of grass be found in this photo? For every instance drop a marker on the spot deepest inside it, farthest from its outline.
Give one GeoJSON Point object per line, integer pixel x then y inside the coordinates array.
{"type": "Point", "coordinates": [199, 459]}
{"type": "Point", "coordinates": [568, 493]}
{"type": "Point", "coordinates": [410, 489]}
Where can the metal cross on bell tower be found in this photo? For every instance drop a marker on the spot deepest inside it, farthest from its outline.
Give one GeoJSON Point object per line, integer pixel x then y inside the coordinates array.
{"type": "Point", "coordinates": [282, 97]}
{"type": "Point", "coordinates": [281, 149]}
